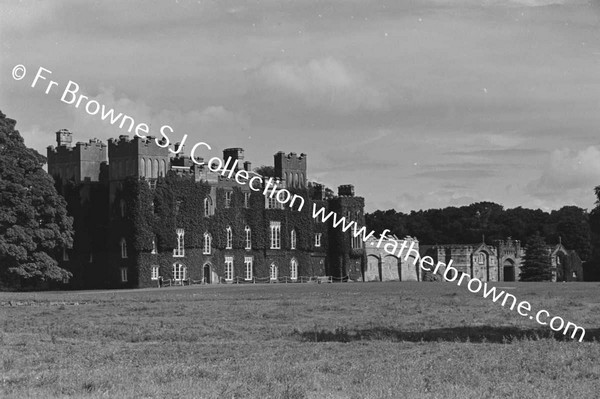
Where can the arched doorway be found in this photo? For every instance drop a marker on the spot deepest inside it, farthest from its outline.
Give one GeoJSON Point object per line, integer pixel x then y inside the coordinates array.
{"type": "Point", "coordinates": [274, 272]}
{"type": "Point", "coordinates": [509, 270]}
{"type": "Point", "coordinates": [372, 272]}
{"type": "Point", "coordinates": [206, 274]}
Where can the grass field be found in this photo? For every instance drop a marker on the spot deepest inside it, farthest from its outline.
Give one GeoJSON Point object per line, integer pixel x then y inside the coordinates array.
{"type": "Point", "coordinates": [352, 340]}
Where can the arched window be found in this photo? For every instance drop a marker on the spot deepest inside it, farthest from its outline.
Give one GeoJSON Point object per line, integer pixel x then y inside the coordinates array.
{"type": "Point", "coordinates": [123, 248]}
{"type": "Point", "coordinates": [207, 244]}
{"type": "Point", "coordinates": [155, 170]}
{"type": "Point", "coordinates": [248, 240]}
{"type": "Point", "coordinates": [154, 248]}
{"type": "Point", "coordinates": [481, 258]}
{"type": "Point", "coordinates": [207, 206]}
{"type": "Point", "coordinates": [123, 207]}
{"type": "Point", "coordinates": [149, 168]}
{"type": "Point", "coordinates": [180, 250]}
{"type": "Point", "coordinates": [142, 167]}
{"type": "Point", "coordinates": [163, 168]}
{"type": "Point", "coordinates": [293, 239]}
{"type": "Point", "coordinates": [294, 269]}
{"type": "Point", "coordinates": [273, 272]}
{"type": "Point", "coordinates": [229, 243]}
{"type": "Point", "coordinates": [179, 272]}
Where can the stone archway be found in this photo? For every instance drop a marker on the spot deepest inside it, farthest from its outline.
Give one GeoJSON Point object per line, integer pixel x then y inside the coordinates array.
{"type": "Point", "coordinates": [508, 268]}
{"type": "Point", "coordinates": [372, 273]}
{"type": "Point", "coordinates": [206, 274]}
{"type": "Point", "coordinates": [389, 268]}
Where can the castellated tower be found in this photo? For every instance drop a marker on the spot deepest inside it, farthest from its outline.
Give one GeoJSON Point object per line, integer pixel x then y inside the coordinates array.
{"type": "Point", "coordinates": [346, 252]}
{"type": "Point", "coordinates": [83, 162]}
{"type": "Point", "coordinates": [291, 168]}
{"type": "Point", "coordinates": [138, 158]}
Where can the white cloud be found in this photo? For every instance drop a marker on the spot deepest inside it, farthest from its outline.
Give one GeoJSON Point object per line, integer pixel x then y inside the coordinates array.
{"type": "Point", "coordinates": [322, 82]}
{"type": "Point", "coordinates": [569, 176]}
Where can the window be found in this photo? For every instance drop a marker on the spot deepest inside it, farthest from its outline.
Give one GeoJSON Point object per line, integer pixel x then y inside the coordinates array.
{"type": "Point", "coordinates": [275, 235]}
{"type": "Point", "coordinates": [317, 239]}
{"type": "Point", "coordinates": [273, 272]}
{"type": "Point", "coordinates": [356, 242]}
{"type": "Point", "coordinates": [91, 257]}
{"type": "Point", "coordinates": [481, 258]}
{"type": "Point", "coordinates": [228, 268]}
{"type": "Point", "coordinates": [123, 248]}
{"type": "Point", "coordinates": [154, 249]}
{"type": "Point", "coordinates": [558, 260]}
{"type": "Point", "coordinates": [574, 274]}
{"type": "Point", "coordinates": [180, 250]}
{"type": "Point", "coordinates": [246, 200]}
{"type": "Point", "coordinates": [154, 275]}
{"type": "Point", "coordinates": [293, 239]}
{"type": "Point", "coordinates": [179, 272]}
{"type": "Point", "coordinates": [207, 244]}
{"type": "Point", "coordinates": [248, 244]}
{"type": "Point", "coordinates": [178, 206]}
{"type": "Point", "coordinates": [248, 264]}
{"type": "Point", "coordinates": [123, 207]}
{"type": "Point", "coordinates": [229, 238]}
{"type": "Point", "coordinates": [123, 274]}
{"type": "Point", "coordinates": [294, 269]}
{"type": "Point", "coordinates": [206, 207]}
{"type": "Point", "coordinates": [228, 195]}
{"type": "Point", "coordinates": [271, 203]}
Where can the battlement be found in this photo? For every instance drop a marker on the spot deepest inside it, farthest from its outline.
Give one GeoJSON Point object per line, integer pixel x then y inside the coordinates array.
{"type": "Point", "coordinates": [78, 163]}
{"type": "Point", "coordinates": [291, 168]}
{"type": "Point", "coordinates": [126, 147]}
{"type": "Point", "coordinates": [346, 190]}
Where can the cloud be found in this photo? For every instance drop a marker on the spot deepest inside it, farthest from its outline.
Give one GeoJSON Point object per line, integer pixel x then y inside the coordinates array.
{"type": "Point", "coordinates": [569, 175]}
{"type": "Point", "coordinates": [211, 124]}
{"type": "Point", "coordinates": [324, 82]}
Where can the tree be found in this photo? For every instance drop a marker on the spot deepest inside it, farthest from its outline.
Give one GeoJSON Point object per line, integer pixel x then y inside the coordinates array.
{"type": "Point", "coordinates": [536, 264]}
{"type": "Point", "coordinates": [34, 226]}
{"type": "Point", "coordinates": [265, 171]}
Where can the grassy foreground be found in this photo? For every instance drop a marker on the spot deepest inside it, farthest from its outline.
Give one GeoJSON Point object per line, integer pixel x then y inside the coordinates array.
{"type": "Point", "coordinates": [352, 340]}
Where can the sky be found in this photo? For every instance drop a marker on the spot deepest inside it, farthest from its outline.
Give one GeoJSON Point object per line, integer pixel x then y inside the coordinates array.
{"type": "Point", "coordinates": [419, 104]}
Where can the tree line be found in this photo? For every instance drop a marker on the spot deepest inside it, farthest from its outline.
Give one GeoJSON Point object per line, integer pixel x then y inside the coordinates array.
{"type": "Point", "coordinates": [575, 227]}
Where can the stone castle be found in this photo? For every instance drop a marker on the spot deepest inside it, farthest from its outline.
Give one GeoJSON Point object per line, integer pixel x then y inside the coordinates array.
{"type": "Point", "coordinates": [142, 214]}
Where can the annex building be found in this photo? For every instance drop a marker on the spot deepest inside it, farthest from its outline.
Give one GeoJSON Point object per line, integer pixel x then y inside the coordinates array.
{"type": "Point", "coordinates": [502, 260]}
{"type": "Point", "coordinates": [142, 214]}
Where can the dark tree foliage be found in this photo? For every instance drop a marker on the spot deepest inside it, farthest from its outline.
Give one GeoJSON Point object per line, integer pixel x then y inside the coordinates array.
{"type": "Point", "coordinates": [34, 226]}
{"type": "Point", "coordinates": [536, 262]}
{"type": "Point", "coordinates": [470, 224]}
{"type": "Point", "coordinates": [266, 171]}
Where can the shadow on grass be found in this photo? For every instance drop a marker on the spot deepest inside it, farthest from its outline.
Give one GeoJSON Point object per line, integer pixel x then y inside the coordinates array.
{"type": "Point", "coordinates": [475, 334]}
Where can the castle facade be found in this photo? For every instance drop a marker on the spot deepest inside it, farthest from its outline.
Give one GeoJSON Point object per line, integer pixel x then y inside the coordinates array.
{"type": "Point", "coordinates": [143, 215]}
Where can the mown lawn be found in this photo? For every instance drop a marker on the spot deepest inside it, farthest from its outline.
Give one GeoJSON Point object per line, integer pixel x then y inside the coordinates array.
{"type": "Point", "coordinates": [353, 340]}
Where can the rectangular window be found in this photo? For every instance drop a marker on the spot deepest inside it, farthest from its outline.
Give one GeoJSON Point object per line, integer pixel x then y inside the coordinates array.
{"type": "Point", "coordinates": [271, 203]}
{"type": "Point", "coordinates": [248, 238]}
{"type": "Point", "coordinates": [207, 244]}
{"type": "Point", "coordinates": [180, 250]}
{"type": "Point", "coordinates": [229, 268]}
{"type": "Point", "coordinates": [123, 274]}
{"type": "Point", "coordinates": [154, 275]}
{"type": "Point", "coordinates": [275, 235]}
{"type": "Point", "coordinates": [123, 248]}
{"type": "Point", "coordinates": [248, 264]}
{"type": "Point", "coordinates": [228, 195]}
{"type": "Point", "coordinates": [317, 239]}
{"type": "Point", "coordinates": [246, 200]}
{"type": "Point", "coordinates": [356, 242]}
{"type": "Point", "coordinates": [229, 244]}
{"type": "Point", "coordinates": [65, 255]}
